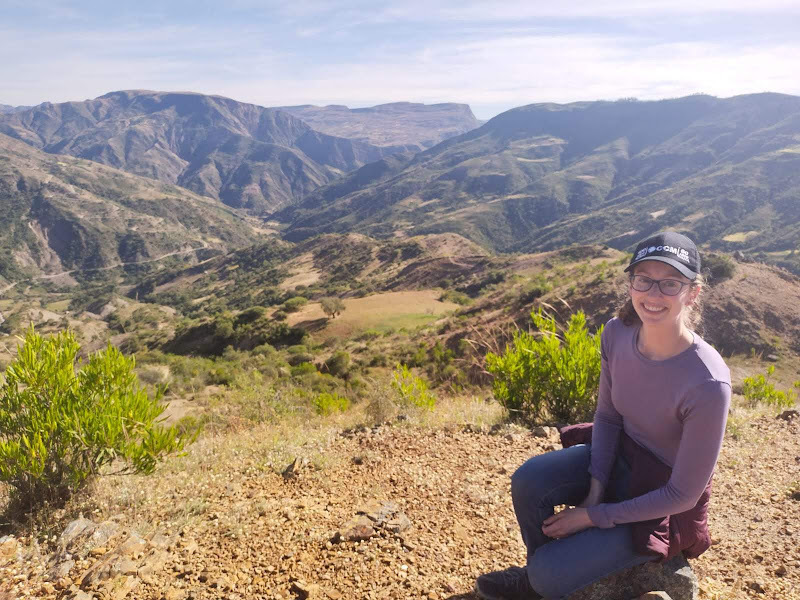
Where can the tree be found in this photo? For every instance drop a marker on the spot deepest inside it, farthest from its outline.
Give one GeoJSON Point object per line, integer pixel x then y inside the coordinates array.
{"type": "Point", "coordinates": [332, 306]}
{"type": "Point", "coordinates": [61, 422]}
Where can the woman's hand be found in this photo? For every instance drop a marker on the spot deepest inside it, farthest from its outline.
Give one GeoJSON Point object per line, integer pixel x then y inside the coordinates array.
{"type": "Point", "coordinates": [567, 522]}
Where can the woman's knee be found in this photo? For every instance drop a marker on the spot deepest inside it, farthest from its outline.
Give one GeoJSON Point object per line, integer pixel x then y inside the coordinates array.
{"type": "Point", "coordinates": [527, 480]}
{"type": "Point", "coordinates": [545, 576]}
{"type": "Point", "coordinates": [540, 474]}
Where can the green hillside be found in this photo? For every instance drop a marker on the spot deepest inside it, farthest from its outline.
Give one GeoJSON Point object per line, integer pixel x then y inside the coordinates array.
{"type": "Point", "coordinates": [59, 213]}
{"type": "Point", "coordinates": [543, 176]}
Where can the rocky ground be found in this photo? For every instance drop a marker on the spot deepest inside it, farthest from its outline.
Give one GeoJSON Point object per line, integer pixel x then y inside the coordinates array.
{"type": "Point", "coordinates": [400, 511]}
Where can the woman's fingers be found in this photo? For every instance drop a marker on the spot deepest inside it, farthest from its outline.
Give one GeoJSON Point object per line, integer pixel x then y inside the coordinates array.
{"type": "Point", "coordinates": [567, 522]}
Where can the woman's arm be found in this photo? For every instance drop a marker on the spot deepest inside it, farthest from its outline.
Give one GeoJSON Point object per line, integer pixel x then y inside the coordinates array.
{"type": "Point", "coordinates": [607, 421]}
{"type": "Point", "coordinates": [701, 440]}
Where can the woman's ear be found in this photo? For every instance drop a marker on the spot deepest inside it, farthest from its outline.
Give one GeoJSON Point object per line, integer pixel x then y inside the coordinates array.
{"type": "Point", "coordinates": [694, 292]}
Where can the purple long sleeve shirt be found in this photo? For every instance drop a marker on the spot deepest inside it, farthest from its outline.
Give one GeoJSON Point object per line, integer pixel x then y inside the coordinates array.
{"type": "Point", "coordinates": [676, 408]}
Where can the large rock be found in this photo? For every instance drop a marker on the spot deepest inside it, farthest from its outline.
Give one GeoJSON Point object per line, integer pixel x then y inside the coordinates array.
{"type": "Point", "coordinates": [674, 577]}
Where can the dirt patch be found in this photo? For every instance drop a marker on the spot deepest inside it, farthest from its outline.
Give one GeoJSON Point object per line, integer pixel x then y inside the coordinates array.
{"type": "Point", "coordinates": [250, 532]}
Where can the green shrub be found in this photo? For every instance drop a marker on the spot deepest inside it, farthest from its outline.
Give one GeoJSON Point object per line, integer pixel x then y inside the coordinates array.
{"type": "Point", "coordinates": [59, 426]}
{"type": "Point", "coordinates": [758, 390]}
{"type": "Point", "coordinates": [338, 365]}
{"type": "Point", "coordinates": [412, 390]}
{"type": "Point", "coordinates": [329, 403]}
{"type": "Point", "coordinates": [294, 304]}
{"type": "Point", "coordinates": [303, 368]}
{"type": "Point", "coordinates": [545, 376]}
{"type": "Point", "coordinates": [719, 266]}
{"type": "Point", "coordinates": [459, 298]}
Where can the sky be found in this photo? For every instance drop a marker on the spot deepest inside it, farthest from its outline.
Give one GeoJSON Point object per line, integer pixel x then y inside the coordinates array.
{"type": "Point", "coordinates": [491, 55]}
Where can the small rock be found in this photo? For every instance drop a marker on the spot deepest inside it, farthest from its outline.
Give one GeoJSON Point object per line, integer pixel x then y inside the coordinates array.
{"type": "Point", "coordinates": [303, 590]}
{"type": "Point", "coordinates": [63, 583]}
{"type": "Point", "coordinates": [60, 570]}
{"type": "Point", "coordinates": [399, 524]}
{"type": "Point", "coordinates": [98, 551]}
{"type": "Point", "coordinates": [378, 511]}
{"type": "Point", "coordinates": [781, 571]}
{"type": "Point", "coordinates": [357, 529]}
{"type": "Point", "coordinates": [540, 431]}
{"type": "Point", "coordinates": [756, 587]}
{"type": "Point", "coordinates": [297, 465]}
{"type": "Point", "coordinates": [8, 548]}
{"type": "Point", "coordinates": [788, 415]}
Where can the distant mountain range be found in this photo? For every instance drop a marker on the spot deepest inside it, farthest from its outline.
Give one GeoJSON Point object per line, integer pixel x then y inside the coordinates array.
{"type": "Point", "coordinates": [59, 214]}
{"type": "Point", "coordinates": [726, 171]}
{"type": "Point", "coordinates": [248, 156]}
{"type": "Point", "coordinates": [415, 126]}
{"type": "Point", "coordinates": [5, 108]}
{"type": "Point", "coordinates": [539, 177]}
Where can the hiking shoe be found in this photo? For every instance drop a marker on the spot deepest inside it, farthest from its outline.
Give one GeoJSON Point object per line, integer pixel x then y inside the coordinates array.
{"type": "Point", "coordinates": [511, 584]}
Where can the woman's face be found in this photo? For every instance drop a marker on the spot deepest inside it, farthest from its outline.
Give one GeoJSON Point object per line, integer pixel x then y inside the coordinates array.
{"type": "Point", "coordinates": [655, 307]}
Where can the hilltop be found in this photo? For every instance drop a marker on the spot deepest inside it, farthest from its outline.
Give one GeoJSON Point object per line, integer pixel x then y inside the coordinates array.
{"type": "Point", "coordinates": [539, 177]}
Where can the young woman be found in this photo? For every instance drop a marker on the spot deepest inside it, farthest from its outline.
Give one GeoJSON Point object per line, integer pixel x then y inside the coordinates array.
{"type": "Point", "coordinates": [664, 393]}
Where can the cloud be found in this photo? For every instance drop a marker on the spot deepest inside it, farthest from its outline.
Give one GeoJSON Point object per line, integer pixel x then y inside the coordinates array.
{"type": "Point", "coordinates": [491, 55]}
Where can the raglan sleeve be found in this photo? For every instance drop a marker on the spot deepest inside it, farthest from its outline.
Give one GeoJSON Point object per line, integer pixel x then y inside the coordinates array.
{"type": "Point", "coordinates": [607, 421]}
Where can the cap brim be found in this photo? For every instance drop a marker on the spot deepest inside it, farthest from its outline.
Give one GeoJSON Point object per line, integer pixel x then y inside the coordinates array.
{"type": "Point", "coordinates": [683, 269]}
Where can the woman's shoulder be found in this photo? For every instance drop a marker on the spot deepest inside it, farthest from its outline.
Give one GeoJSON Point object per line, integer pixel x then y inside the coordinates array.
{"type": "Point", "coordinates": [616, 335]}
{"type": "Point", "coordinates": [712, 362]}
{"type": "Point", "coordinates": [615, 328]}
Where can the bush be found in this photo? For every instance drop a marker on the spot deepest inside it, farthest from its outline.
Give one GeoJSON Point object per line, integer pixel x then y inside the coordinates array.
{"type": "Point", "coordinates": [304, 368]}
{"type": "Point", "coordinates": [758, 389]}
{"type": "Point", "coordinates": [412, 390]}
{"type": "Point", "coordinates": [545, 376]}
{"type": "Point", "coordinates": [719, 266]}
{"type": "Point", "coordinates": [459, 298]}
{"type": "Point", "coordinates": [338, 365]}
{"type": "Point", "coordinates": [294, 304]}
{"type": "Point", "coordinates": [59, 426]}
{"type": "Point", "coordinates": [329, 403]}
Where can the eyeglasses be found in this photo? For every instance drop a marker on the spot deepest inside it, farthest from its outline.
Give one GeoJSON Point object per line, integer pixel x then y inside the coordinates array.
{"type": "Point", "coordinates": [668, 287]}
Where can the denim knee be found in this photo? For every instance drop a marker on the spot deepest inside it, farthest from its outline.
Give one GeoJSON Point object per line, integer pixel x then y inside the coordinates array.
{"type": "Point", "coordinates": [544, 578]}
{"type": "Point", "coordinates": [524, 482]}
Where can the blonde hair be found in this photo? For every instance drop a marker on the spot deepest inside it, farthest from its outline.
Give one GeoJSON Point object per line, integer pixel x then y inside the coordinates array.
{"type": "Point", "coordinates": [692, 317]}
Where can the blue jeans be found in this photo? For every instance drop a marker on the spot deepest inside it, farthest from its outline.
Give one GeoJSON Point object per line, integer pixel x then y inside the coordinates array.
{"type": "Point", "coordinates": [557, 568]}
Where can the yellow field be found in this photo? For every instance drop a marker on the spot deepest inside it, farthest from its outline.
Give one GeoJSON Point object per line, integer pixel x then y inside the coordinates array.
{"type": "Point", "coordinates": [382, 312]}
{"type": "Point", "coordinates": [59, 306]}
{"type": "Point", "coordinates": [741, 236]}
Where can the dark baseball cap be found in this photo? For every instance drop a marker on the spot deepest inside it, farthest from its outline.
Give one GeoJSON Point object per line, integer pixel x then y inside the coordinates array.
{"type": "Point", "coordinates": [671, 248]}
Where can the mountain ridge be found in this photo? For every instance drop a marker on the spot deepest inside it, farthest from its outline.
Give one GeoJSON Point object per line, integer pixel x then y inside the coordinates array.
{"type": "Point", "coordinates": [247, 156]}
{"type": "Point", "coordinates": [546, 175]}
